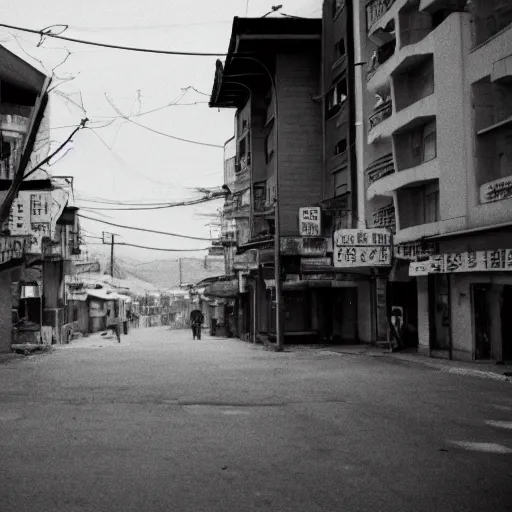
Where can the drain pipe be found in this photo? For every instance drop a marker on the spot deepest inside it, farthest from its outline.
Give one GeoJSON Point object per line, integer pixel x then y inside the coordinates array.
{"type": "Point", "coordinates": [359, 111]}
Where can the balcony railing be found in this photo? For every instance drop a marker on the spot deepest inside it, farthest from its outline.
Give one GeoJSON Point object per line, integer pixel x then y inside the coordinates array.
{"type": "Point", "coordinates": [381, 113]}
{"type": "Point", "coordinates": [385, 217]}
{"type": "Point", "coordinates": [375, 9]}
{"type": "Point", "coordinates": [380, 169]}
{"type": "Point", "coordinates": [379, 57]}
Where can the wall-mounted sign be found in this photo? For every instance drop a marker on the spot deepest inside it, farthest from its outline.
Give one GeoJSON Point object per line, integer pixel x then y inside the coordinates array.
{"type": "Point", "coordinates": [246, 261]}
{"type": "Point", "coordinates": [414, 251]}
{"type": "Point", "coordinates": [87, 267]}
{"type": "Point", "coordinates": [361, 248]}
{"type": "Point", "coordinates": [12, 247]}
{"type": "Point", "coordinates": [477, 261]}
{"type": "Point", "coordinates": [314, 263]}
{"type": "Point", "coordinates": [310, 221]}
{"type": "Point", "coordinates": [303, 246]}
{"type": "Point", "coordinates": [496, 190]}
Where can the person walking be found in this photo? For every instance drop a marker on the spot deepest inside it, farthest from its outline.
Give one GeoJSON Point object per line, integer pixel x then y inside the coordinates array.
{"type": "Point", "coordinates": [196, 321]}
{"type": "Point", "coordinates": [114, 322]}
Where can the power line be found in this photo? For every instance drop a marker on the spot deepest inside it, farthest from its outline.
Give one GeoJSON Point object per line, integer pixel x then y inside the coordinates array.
{"type": "Point", "coordinates": [161, 133]}
{"type": "Point", "coordinates": [143, 229]}
{"type": "Point", "coordinates": [161, 207]}
{"type": "Point", "coordinates": [155, 248]}
{"type": "Point", "coordinates": [173, 136]}
{"type": "Point", "coordinates": [84, 28]}
{"type": "Point", "coordinates": [46, 33]}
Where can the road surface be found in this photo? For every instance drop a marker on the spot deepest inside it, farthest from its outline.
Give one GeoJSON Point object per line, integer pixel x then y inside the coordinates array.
{"type": "Point", "coordinates": [163, 423]}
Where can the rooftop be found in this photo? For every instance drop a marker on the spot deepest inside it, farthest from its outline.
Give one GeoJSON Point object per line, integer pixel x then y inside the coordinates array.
{"type": "Point", "coordinates": [254, 43]}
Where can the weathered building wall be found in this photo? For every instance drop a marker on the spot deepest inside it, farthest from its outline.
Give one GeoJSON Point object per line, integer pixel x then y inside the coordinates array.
{"type": "Point", "coordinates": [5, 311]}
{"type": "Point", "coordinates": [300, 136]}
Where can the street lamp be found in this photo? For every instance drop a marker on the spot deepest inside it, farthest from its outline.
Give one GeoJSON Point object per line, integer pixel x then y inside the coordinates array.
{"type": "Point", "coordinates": [277, 225]}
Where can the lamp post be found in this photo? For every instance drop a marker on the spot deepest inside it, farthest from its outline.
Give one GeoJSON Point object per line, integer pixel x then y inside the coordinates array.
{"type": "Point", "coordinates": [277, 225]}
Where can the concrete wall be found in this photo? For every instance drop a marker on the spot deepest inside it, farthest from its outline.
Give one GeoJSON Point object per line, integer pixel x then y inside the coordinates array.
{"type": "Point", "coordinates": [5, 311]}
{"type": "Point", "coordinates": [300, 135]}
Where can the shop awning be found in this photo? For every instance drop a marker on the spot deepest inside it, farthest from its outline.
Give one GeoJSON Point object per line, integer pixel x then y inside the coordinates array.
{"type": "Point", "coordinates": [222, 289]}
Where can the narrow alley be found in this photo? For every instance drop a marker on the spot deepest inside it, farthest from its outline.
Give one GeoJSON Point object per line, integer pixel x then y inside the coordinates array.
{"type": "Point", "coordinates": [163, 423]}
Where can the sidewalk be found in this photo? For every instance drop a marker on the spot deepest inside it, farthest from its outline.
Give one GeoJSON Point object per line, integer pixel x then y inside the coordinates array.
{"type": "Point", "coordinates": [482, 369]}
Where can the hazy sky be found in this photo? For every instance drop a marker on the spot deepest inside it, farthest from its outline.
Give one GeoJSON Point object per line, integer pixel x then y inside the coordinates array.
{"type": "Point", "coordinates": [138, 165]}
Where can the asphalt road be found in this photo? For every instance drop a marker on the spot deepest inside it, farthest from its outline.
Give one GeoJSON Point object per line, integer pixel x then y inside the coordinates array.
{"type": "Point", "coordinates": [163, 423]}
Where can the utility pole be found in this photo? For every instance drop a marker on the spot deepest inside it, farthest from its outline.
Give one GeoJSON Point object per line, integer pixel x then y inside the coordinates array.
{"type": "Point", "coordinates": [179, 263]}
{"type": "Point", "coordinates": [108, 239]}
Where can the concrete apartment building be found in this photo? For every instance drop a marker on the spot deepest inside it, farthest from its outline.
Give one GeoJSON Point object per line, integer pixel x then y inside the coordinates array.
{"type": "Point", "coordinates": [437, 97]}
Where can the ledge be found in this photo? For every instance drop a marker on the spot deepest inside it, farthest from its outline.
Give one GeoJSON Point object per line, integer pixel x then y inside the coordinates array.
{"type": "Point", "coordinates": [383, 73]}
{"type": "Point", "coordinates": [391, 13]}
{"type": "Point", "coordinates": [418, 232]}
{"type": "Point", "coordinates": [415, 175]}
{"type": "Point", "coordinates": [495, 126]}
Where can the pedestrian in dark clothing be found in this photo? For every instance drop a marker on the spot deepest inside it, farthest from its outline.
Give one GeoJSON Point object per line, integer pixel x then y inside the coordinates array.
{"type": "Point", "coordinates": [196, 321]}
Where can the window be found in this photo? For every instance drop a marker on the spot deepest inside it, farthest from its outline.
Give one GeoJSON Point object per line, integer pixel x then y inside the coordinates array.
{"type": "Point", "coordinates": [429, 142]}
{"type": "Point", "coordinates": [269, 146]}
{"type": "Point", "coordinates": [431, 203]}
{"type": "Point", "coordinates": [340, 147]}
{"type": "Point", "coordinates": [340, 182]}
{"type": "Point", "coordinates": [336, 97]}
{"type": "Point", "coordinates": [339, 50]}
{"type": "Point", "coordinates": [337, 6]}
{"type": "Point", "coordinates": [505, 158]}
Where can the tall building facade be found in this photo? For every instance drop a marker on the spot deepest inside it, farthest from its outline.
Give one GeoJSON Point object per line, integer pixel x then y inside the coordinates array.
{"type": "Point", "coordinates": [437, 101]}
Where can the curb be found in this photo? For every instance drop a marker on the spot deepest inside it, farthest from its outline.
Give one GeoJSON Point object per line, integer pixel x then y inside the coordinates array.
{"type": "Point", "coordinates": [455, 370]}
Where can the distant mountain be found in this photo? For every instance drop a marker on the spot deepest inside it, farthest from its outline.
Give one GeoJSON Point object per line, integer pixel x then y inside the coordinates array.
{"type": "Point", "coordinates": [165, 274]}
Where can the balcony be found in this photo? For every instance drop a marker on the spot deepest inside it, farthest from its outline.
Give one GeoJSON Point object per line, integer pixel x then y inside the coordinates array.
{"type": "Point", "coordinates": [417, 114]}
{"type": "Point", "coordinates": [399, 62]}
{"type": "Point", "coordinates": [381, 113]}
{"type": "Point", "coordinates": [14, 123]}
{"type": "Point", "coordinates": [380, 168]}
{"type": "Point", "coordinates": [418, 232]}
{"type": "Point", "coordinates": [375, 11]}
{"type": "Point", "coordinates": [414, 176]}
{"type": "Point", "coordinates": [380, 57]}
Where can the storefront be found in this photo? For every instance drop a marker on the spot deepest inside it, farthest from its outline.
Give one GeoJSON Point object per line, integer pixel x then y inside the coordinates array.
{"type": "Point", "coordinates": [365, 256]}
{"type": "Point", "coordinates": [466, 298]}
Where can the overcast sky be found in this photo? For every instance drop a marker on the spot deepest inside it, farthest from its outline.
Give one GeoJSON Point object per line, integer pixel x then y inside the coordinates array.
{"type": "Point", "coordinates": [139, 165]}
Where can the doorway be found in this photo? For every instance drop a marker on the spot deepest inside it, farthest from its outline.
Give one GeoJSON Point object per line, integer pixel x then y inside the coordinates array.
{"type": "Point", "coordinates": [344, 315]}
{"type": "Point", "coordinates": [439, 312]}
{"type": "Point", "coordinates": [482, 319]}
{"type": "Point", "coordinates": [506, 322]}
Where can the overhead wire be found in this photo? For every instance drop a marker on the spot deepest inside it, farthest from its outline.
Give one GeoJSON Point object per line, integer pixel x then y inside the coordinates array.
{"type": "Point", "coordinates": [156, 248]}
{"type": "Point", "coordinates": [45, 33]}
{"type": "Point", "coordinates": [156, 207]}
{"type": "Point", "coordinates": [145, 230]}
{"type": "Point", "coordinates": [162, 133]}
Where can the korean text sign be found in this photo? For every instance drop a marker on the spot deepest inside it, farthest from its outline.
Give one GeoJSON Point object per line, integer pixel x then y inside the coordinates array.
{"type": "Point", "coordinates": [310, 221]}
{"type": "Point", "coordinates": [361, 248]}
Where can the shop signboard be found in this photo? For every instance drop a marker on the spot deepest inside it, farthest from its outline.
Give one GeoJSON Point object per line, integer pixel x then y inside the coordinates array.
{"type": "Point", "coordinates": [310, 221]}
{"type": "Point", "coordinates": [476, 261]}
{"type": "Point", "coordinates": [496, 190]}
{"type": "Point", "coordinates": [303, 246]}
{"type": "Point", "coordinates": [415, 251]}
{"type": "Point", "coordinates": [87, 267]}
{"type": "Point", "coordinates": [361, 248]}
{"type": "Point", "coordinates": [314, 263]}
